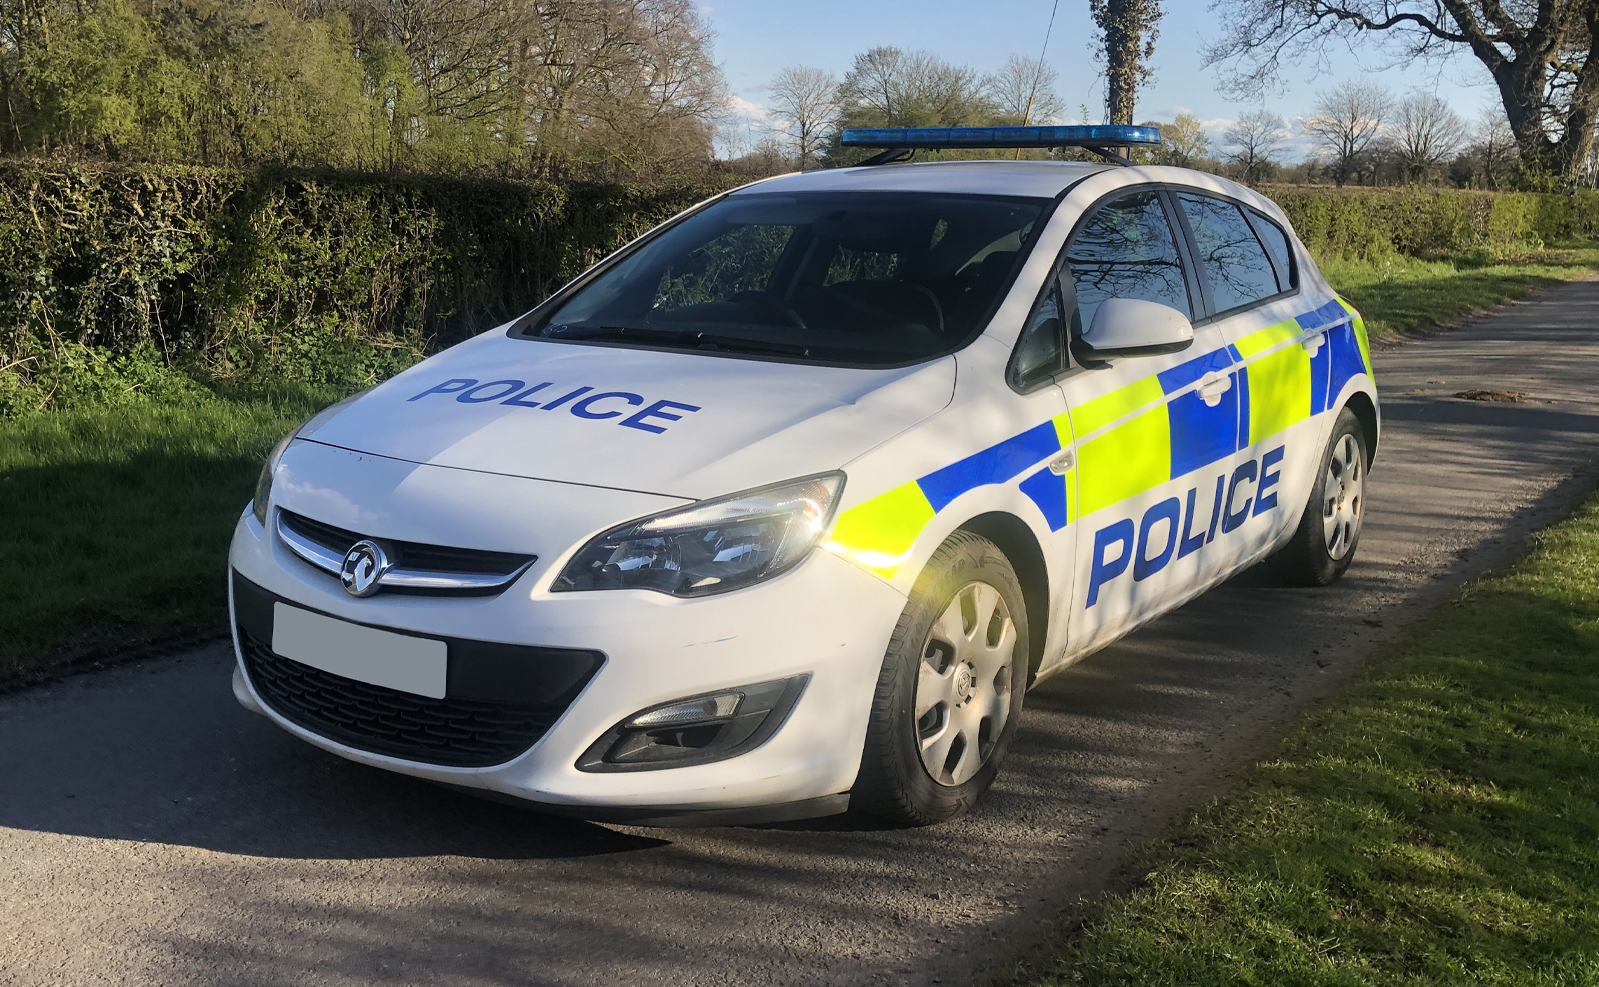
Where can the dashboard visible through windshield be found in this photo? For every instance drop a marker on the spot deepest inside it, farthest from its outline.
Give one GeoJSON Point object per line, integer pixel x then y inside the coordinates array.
{"type": "Point", "coordinates": [867, 278]}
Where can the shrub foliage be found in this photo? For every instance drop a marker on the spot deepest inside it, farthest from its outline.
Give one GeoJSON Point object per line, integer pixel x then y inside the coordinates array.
{"type": "Point", "coordinates": [1432, 223]}
{"type": "Point", "coordinates": [133, 280]}
{"type": "Point", "coordinates": [151, 280]}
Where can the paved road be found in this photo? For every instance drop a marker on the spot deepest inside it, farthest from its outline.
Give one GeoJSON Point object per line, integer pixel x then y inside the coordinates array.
{"type": "Point", "coordinates": [152, 832]}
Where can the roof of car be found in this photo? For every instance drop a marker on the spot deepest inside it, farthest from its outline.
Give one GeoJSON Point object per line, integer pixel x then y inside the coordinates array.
{"type": "Point", "coordinates": [1041, 179]}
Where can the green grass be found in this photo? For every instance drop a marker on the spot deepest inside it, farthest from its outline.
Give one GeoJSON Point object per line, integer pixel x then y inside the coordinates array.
{"type": "Point", "coordinates": [1437, 823]}
{"type": "Point", "coordinates": [1399, 293]}
{"type": "Point", "coordinates": [115, 520]}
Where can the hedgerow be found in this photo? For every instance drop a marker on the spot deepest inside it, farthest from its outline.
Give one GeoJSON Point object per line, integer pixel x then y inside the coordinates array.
{"type": "Point", "coordinates": [156, 280]}
{"type": "Point", "coordinates": [1432, 223]}
{"type": "Point", "coordinates": [161, 281]}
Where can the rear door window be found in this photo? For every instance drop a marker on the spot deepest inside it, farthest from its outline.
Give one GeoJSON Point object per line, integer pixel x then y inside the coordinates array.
{"type": "Point", "coordinates": [1230, 256]}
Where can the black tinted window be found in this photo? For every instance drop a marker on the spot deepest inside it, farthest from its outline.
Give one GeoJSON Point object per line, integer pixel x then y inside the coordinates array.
{"type": "Point", "coordinates": [1282, 254]}
{"type": "Point", "coordinates": [1229, 255]}
{"type": "Point", "coordinates": [853, 277]}
{"type": "Point", "coordinates": [1127, 250]}
{"type": "Point", "coordinates": [1042, 350]}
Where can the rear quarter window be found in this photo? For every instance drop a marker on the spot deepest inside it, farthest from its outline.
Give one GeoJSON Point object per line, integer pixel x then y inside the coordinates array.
{"type": "Point", "coordinates": [1281, 250]}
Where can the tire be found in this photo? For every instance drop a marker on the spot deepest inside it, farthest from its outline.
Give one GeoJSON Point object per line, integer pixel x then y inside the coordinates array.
{"type": "Point", "coordinates": [1329, 533]}
{"type": "Point", "coordinates": [941, 630]}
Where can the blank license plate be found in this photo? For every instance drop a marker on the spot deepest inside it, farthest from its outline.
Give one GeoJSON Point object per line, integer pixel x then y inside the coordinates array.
{"type": "Point", "coordinates": [398, 661]}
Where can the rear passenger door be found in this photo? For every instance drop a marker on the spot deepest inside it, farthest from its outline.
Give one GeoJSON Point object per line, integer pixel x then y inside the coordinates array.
{"type": "Point", "coordinates": [1148, 430]}
{"type": "Point", "coordinates": [1249, 277]}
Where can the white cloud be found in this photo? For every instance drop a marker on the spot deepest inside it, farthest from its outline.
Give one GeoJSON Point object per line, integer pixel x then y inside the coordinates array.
{"type": "Point", "coordinates": [743, 125]}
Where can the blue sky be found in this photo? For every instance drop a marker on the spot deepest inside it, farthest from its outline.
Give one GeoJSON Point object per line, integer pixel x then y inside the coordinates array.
{"type": "Point", "coordinates": [756, 38]}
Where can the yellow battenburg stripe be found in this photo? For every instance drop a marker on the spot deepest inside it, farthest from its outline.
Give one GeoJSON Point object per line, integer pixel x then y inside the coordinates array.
{"type": "Point", "coordinates": [1125, 461]}
{"type": "Point", "coordinates": [1279, 384]}
{"type": "Point", "coordinates": [878, 534]}
{"type": "Point", "coordinates": [1091, 416]}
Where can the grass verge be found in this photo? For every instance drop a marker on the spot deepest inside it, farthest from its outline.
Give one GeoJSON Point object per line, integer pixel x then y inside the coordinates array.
{"type": "Point", "coordinates": [1436, 823]}
{"type": "Point", "coordinates": [1399, 294]}
{"type": "Point", "coordinates": [117, 519]}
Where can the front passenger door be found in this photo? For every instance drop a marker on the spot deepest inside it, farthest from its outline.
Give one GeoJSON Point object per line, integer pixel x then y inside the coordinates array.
{"type": "Point", "coordinates": [1146, 427]}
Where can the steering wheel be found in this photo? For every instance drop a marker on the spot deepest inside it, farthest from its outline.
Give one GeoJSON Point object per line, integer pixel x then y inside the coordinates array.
{"type": "Point", "coordinates": [766, 301]}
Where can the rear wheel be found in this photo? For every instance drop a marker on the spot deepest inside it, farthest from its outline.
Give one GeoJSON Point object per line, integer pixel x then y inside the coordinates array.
{"type": "Point", "coordinates": [950, 691]}
{"type": "Point", "coordinates": [1324, 543]}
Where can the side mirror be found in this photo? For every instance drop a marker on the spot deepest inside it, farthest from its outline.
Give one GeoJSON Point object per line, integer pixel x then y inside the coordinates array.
{"type": "Point", "coordinates": [1133, 327]}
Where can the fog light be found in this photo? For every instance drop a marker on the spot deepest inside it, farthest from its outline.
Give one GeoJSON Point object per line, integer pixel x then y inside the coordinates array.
{"type": "Point", "coordinates": [696, 730]}
{"type": "Point", "coordinates": [714, 707]}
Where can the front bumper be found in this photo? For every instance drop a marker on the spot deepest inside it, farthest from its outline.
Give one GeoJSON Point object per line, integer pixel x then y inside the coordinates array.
{"type": "Point", "coordinates": [826, 619]}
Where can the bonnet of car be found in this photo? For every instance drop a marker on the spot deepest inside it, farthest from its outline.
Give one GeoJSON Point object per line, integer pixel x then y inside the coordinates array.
{"type": "Point", "coordinates": [650, 420]}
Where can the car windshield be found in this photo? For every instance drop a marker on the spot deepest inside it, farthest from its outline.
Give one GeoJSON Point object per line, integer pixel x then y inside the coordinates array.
{"type": "Point", "coordinates": [863, 278]}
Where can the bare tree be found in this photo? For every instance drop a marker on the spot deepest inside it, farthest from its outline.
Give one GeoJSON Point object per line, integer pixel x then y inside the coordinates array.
{"type": "Point", "coordinates": [1541, 56]}
{"type": "Point", "coordinates": [1348, 118]}
{"type": "Point", "coordinates": [1024, 91]}
{"type": "Point", "coordinates": [629, 81]}
{"type": "Point", "coordinates": [1127, 33]}
{"type": "Point", "coordinates": [1425, 134]}
{"type": "Point", "coordinates": [805, 100]}
{"type": "Point", "coordinates": [1182, 143]}
{"type": "Point", "coordinates": [1254, 142]}
{"type": "Point", "coordinates": [1496, 146]}
{"type": "Point", "coordinates": [894, 88]}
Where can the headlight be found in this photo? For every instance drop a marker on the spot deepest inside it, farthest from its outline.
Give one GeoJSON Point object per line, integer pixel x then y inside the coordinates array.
{"type": "Point", "coordinates": [712, 546]}
{"type": "Point", "coordinates": [263, 483]}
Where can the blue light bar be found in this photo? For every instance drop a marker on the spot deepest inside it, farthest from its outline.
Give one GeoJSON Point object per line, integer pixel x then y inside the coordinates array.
{"type": "Point", "coordinates": [1091, 135]}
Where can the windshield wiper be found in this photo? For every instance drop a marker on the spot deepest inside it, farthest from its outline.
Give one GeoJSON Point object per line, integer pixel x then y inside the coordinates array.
{"type": "Point", "coordinates": [687, 338]}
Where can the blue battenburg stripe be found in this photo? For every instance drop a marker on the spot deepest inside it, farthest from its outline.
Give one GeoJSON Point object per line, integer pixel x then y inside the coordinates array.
{"type": "Point", "coordinates": [996, 464]}
{"type": "Point", "coordinates": [1330, 312]}
{"type": "Point", "coordinates": [1183, 374]}
{"type": "Point", "coordinates": [1343, 358]}
{"type": "Point", "coordinates": [1200, 434]}
{"type": "Point", "coordinates": [1241, 385]}
{"type": "Point", "coordinates": [1048, 491]}
{"type": "Point", "coordinates": [1318, 374]}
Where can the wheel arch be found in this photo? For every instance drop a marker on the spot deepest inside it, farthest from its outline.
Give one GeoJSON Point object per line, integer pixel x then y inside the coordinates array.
{"type": "Point", "coordinates": [1365, 409]}
{"type": "Point", "coordinates": [1020, 545]}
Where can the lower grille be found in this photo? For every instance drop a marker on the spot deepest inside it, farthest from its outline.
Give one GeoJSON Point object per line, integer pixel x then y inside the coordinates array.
{"type": "Point", "coordinates": [455, 732]}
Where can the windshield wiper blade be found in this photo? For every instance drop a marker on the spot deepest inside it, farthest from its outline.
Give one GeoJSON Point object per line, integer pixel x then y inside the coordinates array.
{"type": "Point", "coordinates": [626, 332]}
{"type": "Point", "coordinates": [689, 338]}
{"type": "Point", "coordinates": [752, 345]}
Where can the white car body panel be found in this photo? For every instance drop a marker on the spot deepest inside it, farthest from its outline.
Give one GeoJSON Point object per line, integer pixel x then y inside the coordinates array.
{"type": "Point", "coordinates": [429, 459]}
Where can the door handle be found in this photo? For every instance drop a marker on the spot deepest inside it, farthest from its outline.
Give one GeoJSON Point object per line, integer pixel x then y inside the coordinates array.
{"type": "Point", "coordinates": [1060, 464]}
{"type": "Point", "coordinates": [1213, 388]}
{"type": "Point", "coordinates": [1313, 344]}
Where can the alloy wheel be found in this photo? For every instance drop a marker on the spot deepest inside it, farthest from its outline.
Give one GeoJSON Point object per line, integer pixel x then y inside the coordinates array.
{"type": "Point", "coordinates": [963, 684]}
{"type": "Point", "coordinates": [1343, 497]}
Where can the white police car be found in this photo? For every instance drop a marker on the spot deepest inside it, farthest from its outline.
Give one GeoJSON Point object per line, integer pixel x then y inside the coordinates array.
{"type": "Point", "coordinates": [782, 507]}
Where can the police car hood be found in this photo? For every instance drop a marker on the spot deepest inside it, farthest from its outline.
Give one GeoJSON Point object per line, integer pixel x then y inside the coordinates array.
{"type": "Point", "coordinates": [679, 424]}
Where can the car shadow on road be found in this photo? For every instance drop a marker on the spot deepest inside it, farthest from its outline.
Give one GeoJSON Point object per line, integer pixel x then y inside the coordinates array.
{"type": "Point", "coordinates": [191, 767]}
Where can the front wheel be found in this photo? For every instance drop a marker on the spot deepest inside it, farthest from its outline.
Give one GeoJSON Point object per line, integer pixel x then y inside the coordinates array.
{"type": "Point", "coordinates": [1325, 541]}
{"type": "Point", "coordinates": [950, 692]}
